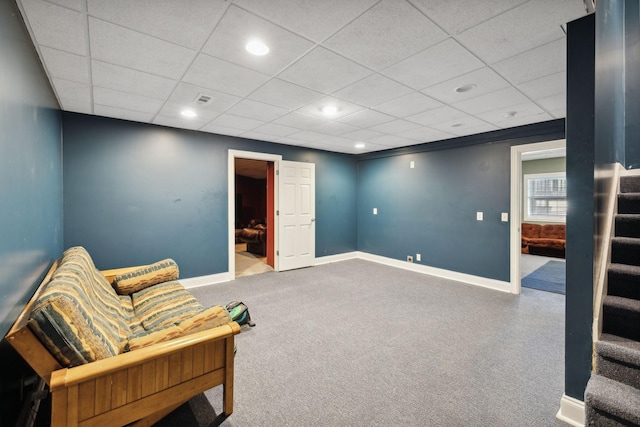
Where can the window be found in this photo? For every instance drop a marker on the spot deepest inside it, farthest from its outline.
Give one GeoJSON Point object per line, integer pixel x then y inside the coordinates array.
{"type": "Point", "coordinates": [546, 197]}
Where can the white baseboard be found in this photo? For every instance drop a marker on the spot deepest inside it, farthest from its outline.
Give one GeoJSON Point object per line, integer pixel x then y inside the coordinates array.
{"type": "Point", "coordinates": [484, 282]}
{"type": "Point", "coordinates": [196, 282]}
{"type": "Point", "coordinates": [571, 411]}
{"type": "Point", "coordinates": [336, 258]}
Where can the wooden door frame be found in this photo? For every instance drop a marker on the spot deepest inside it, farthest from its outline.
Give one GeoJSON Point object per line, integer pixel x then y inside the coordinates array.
{"type": "Point", "coordinates": [231, 193]}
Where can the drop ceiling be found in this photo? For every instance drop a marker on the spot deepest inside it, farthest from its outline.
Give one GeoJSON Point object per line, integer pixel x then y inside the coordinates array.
{"type": "Point", "coordinates": [391, 67]}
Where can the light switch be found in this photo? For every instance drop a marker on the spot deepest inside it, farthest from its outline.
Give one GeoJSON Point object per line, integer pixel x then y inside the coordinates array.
{"type": "Point", "coordinates": [412, 164]}
{"type": "Point", "coordinates": [504, 217]}
{"type": "Point", "coordinates": [375, 211]}
{"type": "Point", "coordinates": [479, 216]}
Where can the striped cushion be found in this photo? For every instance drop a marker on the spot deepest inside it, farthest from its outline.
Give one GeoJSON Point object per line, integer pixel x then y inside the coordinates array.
{"type": "Point", "coordinates": [163, 305]}
{"type": "Point", "coordinates": [159, 272]}
{"type": "Point", "coordinates": [79, 317]}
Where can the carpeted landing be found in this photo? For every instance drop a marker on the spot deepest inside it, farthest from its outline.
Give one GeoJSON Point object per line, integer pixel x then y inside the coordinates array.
{"type": "Point", "coordinates": [356, 343]}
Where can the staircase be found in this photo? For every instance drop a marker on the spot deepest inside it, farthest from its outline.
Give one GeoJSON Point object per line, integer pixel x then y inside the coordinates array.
{"type": "Point", "coordinates": [612, 397]}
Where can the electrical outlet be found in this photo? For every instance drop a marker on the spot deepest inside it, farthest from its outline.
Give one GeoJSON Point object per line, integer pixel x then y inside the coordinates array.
{"type": "Point", "coordinates": [418, 257]}
{"type": "Point", "coordinates": [479, 216]}
{"type": "Point", "coordinates": [375, 211]}
{"type": "Point", "coordinates": [409, 258]}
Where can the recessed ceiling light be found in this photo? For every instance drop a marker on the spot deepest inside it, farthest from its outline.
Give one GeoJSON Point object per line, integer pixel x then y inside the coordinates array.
{"type": "Point", "coordinates": [256, 47]}
{"type": "Point", "coordinates": [464, 88]}
{"type": "Point", "coordinates": [329, 109]}
{"type": "Point", "coordinates": [188, 113]}
{"type": "Point", "coordinates": [509, 114]}
{"type": "Point", "coordinates": [456, 125]}
{"type": "Point", "coordinates": [360, 145]}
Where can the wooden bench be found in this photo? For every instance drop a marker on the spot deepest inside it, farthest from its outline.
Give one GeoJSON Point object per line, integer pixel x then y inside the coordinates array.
{"type": "Point", "coordinates": [140, 386]}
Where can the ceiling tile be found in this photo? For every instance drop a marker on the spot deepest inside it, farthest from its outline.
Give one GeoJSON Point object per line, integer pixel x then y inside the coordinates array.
{"type": "Point", "coordinates": [223, 76]}
{"type": "Point", "coordinates": [456, 16]}
{"type": "Point", "coordinates": [395, 126]}
{"type": "Point", "coordinates": [76, 105]}
{"type": "Point", "coordinates": [186, 94]}
{"type": "Point", "coordinates": [257, 136]}
{"type": "Point", "coordinates": [314, 19]}
{"type": "Point", "coordinates": [525, 120]}
{"type": "Point", "coordinates": [437, 115]}
{"type": "Point", "coordinates": [257, 110]}
{"type": "Point", "coordinates": [543, 87]}
{"type": "Point", "coordinates": [173, 110]}
{"type": "Point", "coordinates": [128, 48]}
{"type": "Point", "coordinates": [525, 27]}
{"type": "Point", "coordinates": [491, 101]}
{"type": "Point", "coordinates": [556, 105]}
{"type": "Point", "coordinates": [56, 26]}
{"type": "Point", "coordinates": [424, 134]}
{"type": "Point", "coordinates": [300, 121]}
{"type": "Point", "coordinates": [462, 126]}
{"type": "Point", "coordinates": [274, 129]}
{"type": "Point", "coordinates": [284, 94]}
{"type": "Point", "coordinates": [483, 80]}
{"type": "Point", "coordinates": [179, 123]}
{"type": "Point", "coordinates": [128, 101]}
{"type": "Point", "coordinates": [127, 80]}
{"type": "Point", "coordinates": [362, 134]}
{"type": "Point", "coordinates": [65, 65]}
{"type": "Point", "coordinates": [221, 130]}
{"type": "Point", "coordinates": [534, 64]}
{"type": "Point", "coordinates": [324, 71]}
{"type": "Point", "coordinates": [434, 65]}
{"type": "Point", "coordinates": [308, 136]}
{"type": "Point", "coordinates": [408, 105]}
{"type": "Point", "coordinates": [238, 27]}
{"type": "Point", "coordinates": [390, 31]}
{"type": "Point", "coordinates": [72, 90]}
{"type": "Point", "coordinates": [119, 113]}
{"type": "Point", "coordinates": [185, 24]}
{"type": "Point", "coordinates": [512, 113]}
{"type": "Point", "coordinates": [344, 108]}
{"type": "Point", "coordinates": [335, 128]}
{"type": "Point", "coordinates": [77, 5]}
{"type": "Point", "coordinates": [366, 118]}
{"type": "Point", "coordinates": [236, 122]}
{"type": "Point", "coordinates": [372, 90]}
{"type": "Point", "coordinates": [393, 141]}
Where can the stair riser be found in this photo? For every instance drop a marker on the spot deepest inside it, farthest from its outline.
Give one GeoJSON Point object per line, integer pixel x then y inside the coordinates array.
{"type": "Point", "coordinates": [596, 418]}
{"type": "Point", "coordinates": [630, 184]}
{"type": "Point", "coordinates": [625, 254]}
{"type": "Point", "coordinates": [628, 205]}
{"type": "Point", "coordinates": [623, 286]}
{"type": "Point", "coordinates": [627, 228]}
{"type": "Point", "coordinates": [618, 371]}
{"type": "Point", "coordinates": [623, 323]}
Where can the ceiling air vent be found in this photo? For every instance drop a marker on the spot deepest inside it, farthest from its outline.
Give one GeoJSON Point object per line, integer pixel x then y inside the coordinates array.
{"type": "Point", "coordinates": [203, 99]}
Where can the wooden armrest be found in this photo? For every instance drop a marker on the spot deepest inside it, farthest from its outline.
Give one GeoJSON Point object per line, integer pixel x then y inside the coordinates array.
{"type": "Point", "coordinates": [78, 374]}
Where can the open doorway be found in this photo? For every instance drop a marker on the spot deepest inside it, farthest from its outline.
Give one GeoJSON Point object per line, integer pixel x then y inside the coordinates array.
{"type": "Point", "coordinates": [253, 230]}
{"type": "Point", "coordinates": [538, 212]}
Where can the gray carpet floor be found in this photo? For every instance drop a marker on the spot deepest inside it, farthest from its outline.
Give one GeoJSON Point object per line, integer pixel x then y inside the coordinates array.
{"type": "Point", "coordinates": [356, 343]}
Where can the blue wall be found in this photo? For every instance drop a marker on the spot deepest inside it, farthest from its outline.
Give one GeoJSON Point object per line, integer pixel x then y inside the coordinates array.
{"type": "Point", "coordinates": [30, 169]}
{"type": "Point", "coordinates": [137, 193]}
{"type": "Point", "coordinates": [431, 209]}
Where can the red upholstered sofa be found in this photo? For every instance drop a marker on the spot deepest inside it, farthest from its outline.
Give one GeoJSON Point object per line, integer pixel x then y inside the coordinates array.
{"type": "Point", "coordinates": [547, 239]}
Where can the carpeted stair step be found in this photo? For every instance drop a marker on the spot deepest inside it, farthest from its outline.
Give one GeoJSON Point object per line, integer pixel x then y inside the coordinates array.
{"type": "Point", "coordinates": [627, 225]}
{"type": "Point", "coordinates": [621, 317]}
{"type": "Point", "coordinates": [618, 358]}
{"type": "Point", "coordinates": [629, 203]}
{"type": "Point", "coordinates": [625, 250]}
{"type": "Point", "coordinates": [624, 280]}
{"type": "Point", "coordinates": [630, 184]}
{"type": "Point", "coordinates": [611, 403]}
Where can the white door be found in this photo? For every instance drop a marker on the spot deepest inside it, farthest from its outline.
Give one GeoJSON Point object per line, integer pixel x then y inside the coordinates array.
{"type": "Point", "coordinates": [296, 215]}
